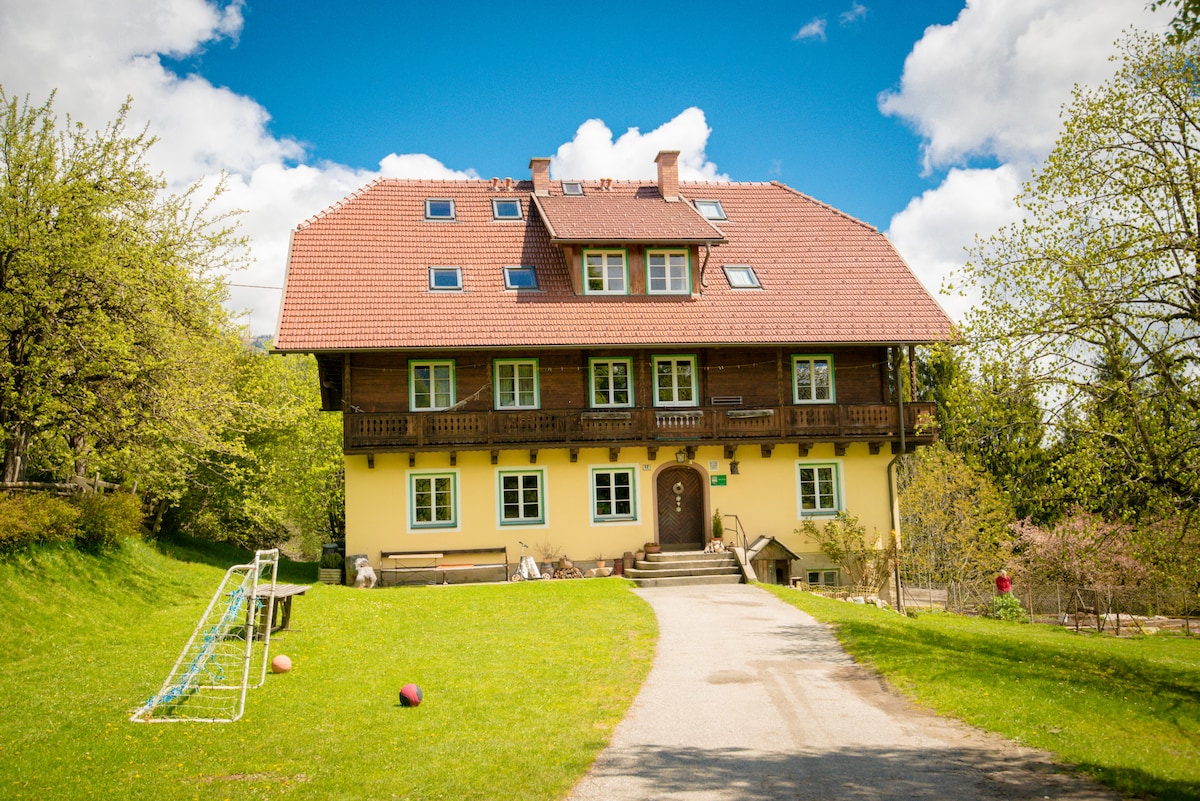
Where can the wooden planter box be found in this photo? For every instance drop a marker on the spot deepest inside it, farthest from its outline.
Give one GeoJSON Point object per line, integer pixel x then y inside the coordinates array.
{"type": "Point", "coordinates": [329, 575]}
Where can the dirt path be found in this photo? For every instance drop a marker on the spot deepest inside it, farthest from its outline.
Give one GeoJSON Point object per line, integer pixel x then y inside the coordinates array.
{"type": "Point", "coordinates": [750, 698]}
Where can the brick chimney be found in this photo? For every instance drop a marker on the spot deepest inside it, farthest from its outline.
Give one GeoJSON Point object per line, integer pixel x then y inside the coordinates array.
{"type": "Point", "coordinates": [541, 175]}
{"type": "Point", "coordinates": [668, 174]}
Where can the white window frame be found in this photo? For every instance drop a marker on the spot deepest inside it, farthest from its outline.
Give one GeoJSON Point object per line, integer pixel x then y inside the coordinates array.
{"type": "Point", "coordinates": [668, 267]}
{"type": "Point", "coordinates": [434, 366]}
{"type": "Point", "coordinates": [512, 269]}
{"type": "Point", "coordinates": [415, 480]}
{"type": "Point", "coordinates": [751, 278]}
{"type": "Point", "coordinates": [502, 505]}
{"type": "Point", "coordinates": [811, 360]}
{"type": "Point", "coordinates": [518, 366]}
{"type": "Point", "coordinates": [607, 280]}
{"type": "Point", "coordinates": [611, 391]}
{"type": "Point", "coordinates": [455, 271]}
{"type": "Point", "coordinates": [718, 211]}
{"type": "Point", "coordinates": [599, 487]}
{"type": "Point", "coordinates": [818, 493]}
{"type": "Point", "coordinates": [675, 359]}
{"type": "Point", "coordinates": [439, 217]}
{"type": "Point", "coordinates": [497, 202]}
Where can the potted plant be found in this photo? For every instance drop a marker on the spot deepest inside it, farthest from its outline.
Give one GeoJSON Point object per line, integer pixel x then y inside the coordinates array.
{"type": "Point", "coordinates": [329, 569]}
{"type": "Point", "coordinates": [601, 562]}
{"type": "Point", "coordinates": [718, 528]}
{"type": "Point", "coordinates": [652, 547]}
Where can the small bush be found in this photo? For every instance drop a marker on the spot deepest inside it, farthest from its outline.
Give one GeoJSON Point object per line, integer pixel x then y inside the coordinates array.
{"type": "Point", "coordinates": [1008, 607]}
{"type": "Point", "coordinates": [30, 519]}
{"type": "Point", "coordinates": [105, 520]}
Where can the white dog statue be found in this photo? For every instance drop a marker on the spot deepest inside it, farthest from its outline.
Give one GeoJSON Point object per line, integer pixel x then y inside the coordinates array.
{"type": "Point", "coordinates": [366, 574]}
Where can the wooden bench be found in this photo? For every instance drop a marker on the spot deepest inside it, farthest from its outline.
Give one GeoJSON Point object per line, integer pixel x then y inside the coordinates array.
{"type": "Point", "coordinates": [283, 595]}
{"type": "Point", "coordinates": [437, 567]}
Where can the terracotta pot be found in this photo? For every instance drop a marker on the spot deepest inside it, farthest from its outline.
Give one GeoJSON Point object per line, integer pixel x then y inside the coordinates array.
{"type": "Point", "coordinates": [653, 547]}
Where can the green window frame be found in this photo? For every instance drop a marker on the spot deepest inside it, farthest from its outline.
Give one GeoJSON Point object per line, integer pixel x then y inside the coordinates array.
{"type": "Point", "coordinates": [521, 497]}
{"type": "Point", "coordinates": [610, 383]}
{"type": "Point", "coordinates": [818, 488]}
{"type": "Point", "coordinates": [675, 380]}
{"type": "Point", "coordinates": [605, 272]}
{"type": "Point", "coordinates": [516, 384]}
{"type": "Point", "coordinates": [614, 494]}
{"type": "Point", "coordinates": [431, 385]}
{"type": "Point", "coordinates": [668, 272]}
{"type": "Point", "coordinates": [812, 378]}
{"type": "Point", "coordinates": [433, 500]}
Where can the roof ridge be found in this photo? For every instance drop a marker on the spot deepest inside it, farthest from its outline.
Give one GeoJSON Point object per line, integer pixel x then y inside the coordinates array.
{"type": "Point", "coordinates": [330, 209]}
{"type": "Point", "coordinates": [825, 205]}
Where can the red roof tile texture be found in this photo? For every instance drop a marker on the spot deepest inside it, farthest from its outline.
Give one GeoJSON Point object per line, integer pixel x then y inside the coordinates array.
{"type": "Point", "coordinates": [358, 273]}
{"type": "Point", "coordinates": [628, 212]}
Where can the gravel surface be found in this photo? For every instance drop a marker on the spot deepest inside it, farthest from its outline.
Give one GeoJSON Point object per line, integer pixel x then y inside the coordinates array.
{"type": "Point", "coordinates": [750, 698]}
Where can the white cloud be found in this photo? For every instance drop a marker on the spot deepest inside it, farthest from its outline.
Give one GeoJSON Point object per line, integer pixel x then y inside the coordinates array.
{"type": "Point", "coordinates": [857, 11]}
{"type": "Point", "coordinates": [812, 30]}
{"type": "Point", "coordinates": [593, 153]}
{"type": "Point", "coordinates": [992, 84]}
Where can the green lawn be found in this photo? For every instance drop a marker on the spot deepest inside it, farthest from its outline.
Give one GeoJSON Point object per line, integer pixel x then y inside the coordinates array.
{"type": "Point", "coordinates": [1126, 711]}
{"type": "Point", "coordinates": [523, 684]}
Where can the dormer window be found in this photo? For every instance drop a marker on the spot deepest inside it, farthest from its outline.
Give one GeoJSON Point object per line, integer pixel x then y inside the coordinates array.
{"type": "Point", "coordinates": [667, 272]}
{"type": "Point", "coordinates": [710, 209]}
{"type": "Point", "coordinates": [741, 276]}
{"type": "Point", "coordinates": [572, 187]}
{"type": "Point", "coordinates": [436, 209]}
{"type": "Point", "coordinates": [506, 209]}
{"type": "Point", "coordinates": [443, 279]}
{"type": "Point", "coordinates": [521, 277]}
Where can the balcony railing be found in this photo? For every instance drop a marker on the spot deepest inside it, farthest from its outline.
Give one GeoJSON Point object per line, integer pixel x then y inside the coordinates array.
{"type": "Point", "coordinates": [559, 428]}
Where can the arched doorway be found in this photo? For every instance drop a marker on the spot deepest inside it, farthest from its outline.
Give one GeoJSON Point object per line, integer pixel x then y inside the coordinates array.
{"type": "Point", "coordinates": [680, 494]}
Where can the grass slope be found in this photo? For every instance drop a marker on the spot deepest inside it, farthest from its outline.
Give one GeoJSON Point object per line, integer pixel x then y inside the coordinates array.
{"type": "Point", "coordinates": [523, 685]}
{"type": "Point", "coordinates": [1126, 711]}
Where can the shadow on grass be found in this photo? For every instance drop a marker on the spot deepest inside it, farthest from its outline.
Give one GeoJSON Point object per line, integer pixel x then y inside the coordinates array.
{"type": "Point", "coordinates": [855, 773]}
{"type": "Point", "coordinates": [224, 556]}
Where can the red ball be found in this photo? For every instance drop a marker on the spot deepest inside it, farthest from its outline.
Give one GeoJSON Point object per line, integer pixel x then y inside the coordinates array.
{"type": "Point", "coordinates": [281, 664]}
{"type": "Point", "coordinates": [411, 695]}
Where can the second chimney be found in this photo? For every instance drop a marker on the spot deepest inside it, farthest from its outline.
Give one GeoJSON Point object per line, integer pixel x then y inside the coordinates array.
{"type": "Point", "coordinates": [540, 167]}
{"type": "Point", "coordinates": [668, 174]}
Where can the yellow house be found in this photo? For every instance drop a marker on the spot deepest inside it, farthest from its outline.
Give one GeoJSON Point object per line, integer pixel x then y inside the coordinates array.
{"type": "Point", "coordinates": [590, 366]}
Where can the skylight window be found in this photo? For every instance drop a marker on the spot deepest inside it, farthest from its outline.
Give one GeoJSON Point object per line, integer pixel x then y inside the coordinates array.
{"type": "Point", "coordinates": [445, 278]}
{"type": "Point", "coordinates": [506, 209]}
{"type": "Point", "coordinates": [436, 209]}
{"type": "Point", "coordinates": [711, 209]}
{"type": "Point", "coordinates": [520, 278]}
{"type": "Point", "coordinates": [741, 276]}
{"type": "Point", "coordinates": [572, 187]}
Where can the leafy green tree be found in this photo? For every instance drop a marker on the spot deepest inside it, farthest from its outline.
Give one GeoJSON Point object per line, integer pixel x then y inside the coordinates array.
{"type": "Point", "coordinates": [866, 560]}
{"type": "Point", "coordinates": [103, 285]}
{"type": "Point", "coordinates": [1094, 298]}
{"type": "Point", "coordinates": [1186, 24]}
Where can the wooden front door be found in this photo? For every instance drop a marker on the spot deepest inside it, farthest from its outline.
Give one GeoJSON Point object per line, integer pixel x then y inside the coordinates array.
{"type": "Point", "coordinates": [680, 509]}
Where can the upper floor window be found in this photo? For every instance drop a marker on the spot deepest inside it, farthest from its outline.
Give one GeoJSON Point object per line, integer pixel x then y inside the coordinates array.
{"type": "Point", "coordinates": [506, 209]}
{"type": "Point", "coordinates": [611, 382]}
{"type": "Point", "coordinates": [522, 277]}
{"type": "Point", "coordinates": [675, 381]}
{"type": "Point", "coordinates": [667, 272]}
{"type": "Point", "coordinates": [448, 278]}
{"type": "Point", "coordinates": [572, 187]}
{"type": "Point", "coordinates": [438, 209]}
{"type": "Point", "coordinates": [430, 385]}
{"type": "Point", "coordinates": [710, 209]}
{"type": "Point", "coordinates": [516, 383]}
{"type": "Point", "coordinates": [741, 276]}
{"type": "Point", "coordinates": [812, 379]}
{"type": "Point", "coordinates": [605, 272]}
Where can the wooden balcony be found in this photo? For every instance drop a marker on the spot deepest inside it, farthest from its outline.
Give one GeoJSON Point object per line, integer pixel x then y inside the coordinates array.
{"type": "Point", "coordinates": [841, 423]}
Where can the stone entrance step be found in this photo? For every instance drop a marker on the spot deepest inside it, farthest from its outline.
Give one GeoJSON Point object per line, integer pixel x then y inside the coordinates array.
{"type": "Point", "coordinates": [685, 568]}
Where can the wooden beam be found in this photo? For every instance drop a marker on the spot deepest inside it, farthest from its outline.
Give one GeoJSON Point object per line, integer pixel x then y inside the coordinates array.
{"type": "Point", "coordinates": [766, 449]}
{"type": "Point", "coordinates": [874, 446]}
{"type": "Point", "coordinates": [691, 452]}
{"type": "Point", "coordinates": [803, 449]}
{"type": "Point", "coordinates": [839, 448]}
{"type": "Point", "coordinates": [370, 461]}
{"type": "Point", "coordinates": [453, 458]}
{"type": "Point", "coordinates": [574, 455]}
{"type": "Point", "coordinates": [533, 455]}
{"type": "Point", "coordinates": [731, 452]}
{"type": "Point", "coordinates": [412, 458]}
{"type": "Point", "coordinates": [495, 457]}
{"type": "Point", "coordinates": [614, 454]}
{"type": "Point", "coordinates": [652, 452]}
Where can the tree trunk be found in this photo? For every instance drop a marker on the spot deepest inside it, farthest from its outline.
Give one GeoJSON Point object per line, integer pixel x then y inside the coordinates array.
{"type": "Point", "coordinates": [16, 452]}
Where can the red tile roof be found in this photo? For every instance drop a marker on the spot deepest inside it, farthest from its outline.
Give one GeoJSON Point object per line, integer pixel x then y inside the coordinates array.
{"type": "Point", "coordinates": [628, 212]}
{"type": "Point", "coordinates": [358, 275]}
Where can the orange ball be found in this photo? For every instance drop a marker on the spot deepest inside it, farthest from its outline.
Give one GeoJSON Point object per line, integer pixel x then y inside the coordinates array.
{"type": "Point", "coordinates": [281, 664]}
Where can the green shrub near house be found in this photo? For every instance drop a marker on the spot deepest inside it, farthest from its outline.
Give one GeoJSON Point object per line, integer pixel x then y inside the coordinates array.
{"type": "Point", "coordinates": [90, 521]}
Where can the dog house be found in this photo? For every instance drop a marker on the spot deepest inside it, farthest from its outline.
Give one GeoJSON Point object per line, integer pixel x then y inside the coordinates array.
{"type": "Point", "coordinates": [771, 560]}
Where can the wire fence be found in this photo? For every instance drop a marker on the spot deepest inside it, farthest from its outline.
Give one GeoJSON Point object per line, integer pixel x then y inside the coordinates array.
{"type": "Point", "coordinates": [1115, 609]}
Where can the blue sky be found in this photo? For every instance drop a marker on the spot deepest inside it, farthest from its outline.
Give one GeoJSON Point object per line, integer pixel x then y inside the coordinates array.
{"type": "Point", "coordinates": [920, 117]}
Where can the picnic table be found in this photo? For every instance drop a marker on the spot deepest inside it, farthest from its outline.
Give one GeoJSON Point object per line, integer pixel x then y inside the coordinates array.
{"type": "Point", "coordinates": [283, 595]}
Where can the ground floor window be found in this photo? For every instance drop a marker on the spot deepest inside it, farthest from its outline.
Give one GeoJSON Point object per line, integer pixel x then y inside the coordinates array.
{"type": "Point", "coordinates": [433, 500]}
{"type": "Point", "coordinates": [522, 497]}
{"type": "Point", "coordinates": [817, 489]}
{"type": "Point", "coordinates": [612, 494]}
{"type": "Point", "coordinates": [823, 578]}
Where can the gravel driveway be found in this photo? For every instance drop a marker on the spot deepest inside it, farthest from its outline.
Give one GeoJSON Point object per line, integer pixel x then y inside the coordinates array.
{"type": "Point", "coordinates": [750, 698]}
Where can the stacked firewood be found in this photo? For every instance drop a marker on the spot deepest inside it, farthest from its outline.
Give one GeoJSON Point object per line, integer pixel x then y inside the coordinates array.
{"type": "Point", "coordinates": [567, 570]}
